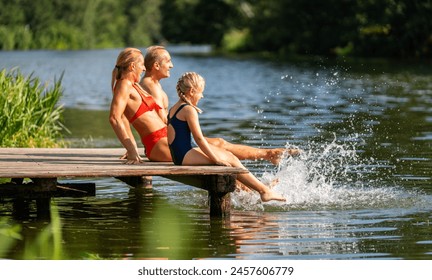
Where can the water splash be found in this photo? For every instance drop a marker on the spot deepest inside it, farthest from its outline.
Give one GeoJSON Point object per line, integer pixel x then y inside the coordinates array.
{"type": "Point", "coordinates": [329, 176]}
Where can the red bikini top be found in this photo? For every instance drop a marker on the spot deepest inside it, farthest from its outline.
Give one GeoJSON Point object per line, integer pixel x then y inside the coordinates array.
{"type": "Point", "coordinates": [147, 104]}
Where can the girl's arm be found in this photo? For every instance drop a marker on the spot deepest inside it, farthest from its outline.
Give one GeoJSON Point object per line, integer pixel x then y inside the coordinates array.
{"type": "Point", "coordinates": [195, 128]}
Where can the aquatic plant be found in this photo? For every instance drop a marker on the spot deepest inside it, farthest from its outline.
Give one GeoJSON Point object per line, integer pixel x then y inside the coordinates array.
{"type": "Point", "coordinates": [29, 112]}
{"type": "Point", "coordinates": [9, 234]}
{"type": "Point", "coordinates": [46, 245]}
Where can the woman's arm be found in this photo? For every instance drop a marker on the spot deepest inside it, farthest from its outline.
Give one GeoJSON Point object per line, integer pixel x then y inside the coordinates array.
{"type": "Point", "coordinates": [129, 132]}
{"type": "Point", "coordinates": [116, 118]}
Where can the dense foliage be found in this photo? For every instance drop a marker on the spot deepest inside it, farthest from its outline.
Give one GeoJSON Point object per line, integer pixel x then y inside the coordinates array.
{"type": "Point", "coordinates": [29, 113]}
{"type": "Point", "coordinates": [397, 28]}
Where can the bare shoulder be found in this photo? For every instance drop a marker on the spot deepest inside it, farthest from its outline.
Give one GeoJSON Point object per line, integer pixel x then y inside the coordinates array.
{"type": "Point", "coordinates": [123, 87]}
{"type": "Point", "coordinates": [155, 89]}
{"type": "Point", "coordinates": [189, 112]}
{"type": "Point", "coordinates": [150, 86]}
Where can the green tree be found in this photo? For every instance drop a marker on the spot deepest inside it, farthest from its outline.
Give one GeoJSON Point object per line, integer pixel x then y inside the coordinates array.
{"type": "Point", "coordinates": [176, 17]}
{"type": "Point", "coordinates": [196, 21]}
{"type": "Point", "coordinates": [400, 28]}
{"type": "Point", "coordinates": [11, 13]}
{"type": "Point", "coordinates": [304, 27]}
{"type": "Point", "coordinates": [110, 24]}
{"type": "Point", "coordinates": [144, 22]}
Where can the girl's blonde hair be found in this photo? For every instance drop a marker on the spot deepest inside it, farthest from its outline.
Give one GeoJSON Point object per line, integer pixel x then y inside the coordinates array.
{"type": "Point", "coordinates": [188, 81]}
{"type": "Point", "coordinates": [124, 60]}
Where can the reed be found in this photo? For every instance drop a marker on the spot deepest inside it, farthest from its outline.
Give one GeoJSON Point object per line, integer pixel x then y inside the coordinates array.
{"type": "Point", "coordinates": [46, 245]}
{"type": "Point", "coordinates": [29, 114]}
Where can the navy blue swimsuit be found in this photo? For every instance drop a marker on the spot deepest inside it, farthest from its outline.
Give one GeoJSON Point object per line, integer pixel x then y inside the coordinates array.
{"type": "Point", "coordinates": [182, 142]}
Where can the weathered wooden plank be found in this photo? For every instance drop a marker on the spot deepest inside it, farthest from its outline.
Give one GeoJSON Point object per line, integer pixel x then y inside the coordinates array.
{"type": "Point", "coordinates": [72, 163]}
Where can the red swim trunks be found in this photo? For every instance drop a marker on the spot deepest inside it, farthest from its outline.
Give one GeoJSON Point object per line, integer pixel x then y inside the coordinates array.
{"type": "Point", "coordinates": [150, 140]}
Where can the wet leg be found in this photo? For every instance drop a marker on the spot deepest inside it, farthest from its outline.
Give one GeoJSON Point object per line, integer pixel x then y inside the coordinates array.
{"type": "Point", "coordinates": [244, 152]}
{"type": "Point", "coordinates": [197, 157]}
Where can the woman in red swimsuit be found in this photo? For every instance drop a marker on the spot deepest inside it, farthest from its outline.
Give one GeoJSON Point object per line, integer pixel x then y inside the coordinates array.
{"type": "Point", "coordinates": [133, 105]}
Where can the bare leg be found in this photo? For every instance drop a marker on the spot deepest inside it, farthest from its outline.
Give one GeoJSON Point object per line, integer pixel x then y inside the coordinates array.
{"type": "Point", "coordinates": [241, 186]}
{"type": "Point", "coordinates": [160, 151]}
{"type": "Point", "coordinates": [243, 152]}
{"type": "Point", "coordinates": [197, 157]}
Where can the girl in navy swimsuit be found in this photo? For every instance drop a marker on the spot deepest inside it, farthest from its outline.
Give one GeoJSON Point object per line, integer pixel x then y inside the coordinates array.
{"type": "Point", "coordinates": [183, 123]}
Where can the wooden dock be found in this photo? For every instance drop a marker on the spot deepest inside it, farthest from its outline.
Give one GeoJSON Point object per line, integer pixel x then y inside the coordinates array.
{"type": "Point", "coordinates": [45, 167]}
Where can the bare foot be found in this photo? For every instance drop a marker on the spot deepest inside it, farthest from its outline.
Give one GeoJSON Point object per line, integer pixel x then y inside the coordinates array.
{"type": "Point", "coordinates": [294, 152]}
{"type": "Point", "coordinates": [275, 155]}
{"type": "Point", "coordinates": [270, 195]}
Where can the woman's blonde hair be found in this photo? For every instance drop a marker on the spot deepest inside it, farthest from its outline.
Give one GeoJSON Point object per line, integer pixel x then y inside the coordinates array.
{"type": "Point", "coordinates": [188, 81]}
{"type": "Point", "coordinates": [124, 60]}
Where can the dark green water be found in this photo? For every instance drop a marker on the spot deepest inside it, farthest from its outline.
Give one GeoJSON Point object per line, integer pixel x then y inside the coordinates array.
{"type": "Point", "coordinates": [361, 190]}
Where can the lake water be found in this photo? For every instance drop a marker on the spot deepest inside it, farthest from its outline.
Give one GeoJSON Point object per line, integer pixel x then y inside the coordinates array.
{"type": "Point", "coordinates": [362, 189]}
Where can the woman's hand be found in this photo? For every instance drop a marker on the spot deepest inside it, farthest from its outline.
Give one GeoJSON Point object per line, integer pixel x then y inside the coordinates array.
{"type": "Point", "coordinates": [132, 158]}
{"type": "Point", "coordinates": [124, 156]}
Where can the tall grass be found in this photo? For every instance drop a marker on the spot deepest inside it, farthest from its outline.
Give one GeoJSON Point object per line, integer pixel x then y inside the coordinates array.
{"type": "Point", "coordinates": [29, 114]}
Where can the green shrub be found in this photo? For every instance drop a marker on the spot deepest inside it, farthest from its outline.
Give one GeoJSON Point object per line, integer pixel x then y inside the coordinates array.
{"type": "Point", "coordinates": [29, 115]}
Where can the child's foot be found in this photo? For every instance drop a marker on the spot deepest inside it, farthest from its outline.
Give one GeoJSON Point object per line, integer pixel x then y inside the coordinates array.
{"type": "Point", "coordinates": [270, 195]}
{"type": "Point", "coordinates": [275, 155]}
{"type": "Point", "coordinates": [294, 152]}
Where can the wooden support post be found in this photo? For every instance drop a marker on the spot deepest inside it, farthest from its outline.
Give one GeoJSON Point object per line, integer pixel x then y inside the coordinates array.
{"type": "Point", "coordinates": [45, 184]}
{"type": "Point", "coordinates": [137, 181]}
{"type": "Point", "coordinates": [220, 204]}
{"type": "Point", "coordinates": [43, 203]}
{"type": "Point", "coordinates": [20, 208]}
{"type": "Point", "coordinates": [41, 190]}
{"type": "Point", "coordinates": [219, 188]}
{"type": "Point", "coordinates": [43, 207]}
